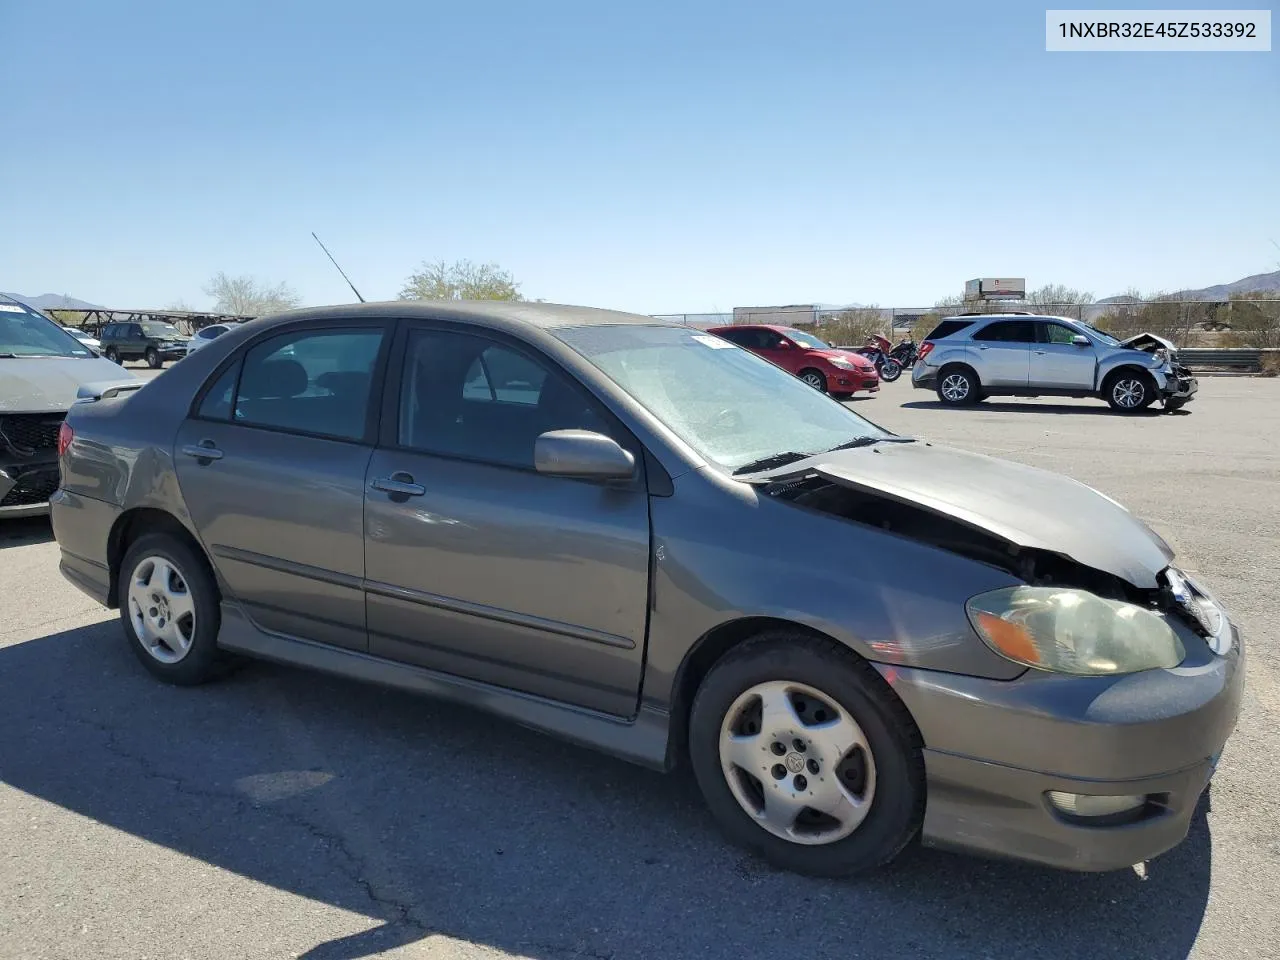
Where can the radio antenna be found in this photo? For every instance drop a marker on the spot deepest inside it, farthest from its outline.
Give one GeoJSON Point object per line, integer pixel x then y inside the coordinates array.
{"type": "Point", "coordinates": [340, 270]}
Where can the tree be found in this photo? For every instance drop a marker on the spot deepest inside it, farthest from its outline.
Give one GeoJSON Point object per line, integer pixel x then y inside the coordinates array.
{"type": "Point", "coordinates": [249, 297]}
{"type": "Point", "coordinates": [462, 280]}
{"type": "Point", "coordinates": [852, 327]}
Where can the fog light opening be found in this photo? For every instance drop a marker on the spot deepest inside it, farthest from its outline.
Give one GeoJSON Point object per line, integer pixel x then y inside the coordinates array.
{"type": "Point", "coordinates": [1098, 810]}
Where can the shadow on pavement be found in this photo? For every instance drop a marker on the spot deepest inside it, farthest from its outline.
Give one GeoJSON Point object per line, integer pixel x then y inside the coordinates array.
{"type": "Point", "coordinates": [432, 819]}
{"type": "Point", "coordinates": [25, 532]}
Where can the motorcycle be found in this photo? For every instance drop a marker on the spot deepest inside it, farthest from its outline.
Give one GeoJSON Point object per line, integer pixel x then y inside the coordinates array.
{"type": "Point", "coordinates": [879, 352]}
{"type": "Point", "coordinates": [905, 353]}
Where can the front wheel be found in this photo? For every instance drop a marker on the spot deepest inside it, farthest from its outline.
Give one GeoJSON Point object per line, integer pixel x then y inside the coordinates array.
{"type": "Point", "coordinates": [890, 371]}
{"type": "Point", "coordinates": [815, 379]}
{"type": "Point", "coordinates": [112, 354]}
{"type": "Point", "coordinates": [1129, 392]}
{"type": "Point", "coordinates": [153, 358]}
{"type": "Point", "coordinates": [1175, 404]}
{"type": "Point", "coordinates": [805, 756]}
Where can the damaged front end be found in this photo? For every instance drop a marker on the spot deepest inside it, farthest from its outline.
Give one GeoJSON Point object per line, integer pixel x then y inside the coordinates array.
{"type": "Point", "coordinates": [1180, 385]}
{"type": "Point", "coordinates": [970, 523]}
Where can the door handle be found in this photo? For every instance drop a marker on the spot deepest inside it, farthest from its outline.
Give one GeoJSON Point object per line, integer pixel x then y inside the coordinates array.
{"type": "Point", "coordinates": [204, 450]}
{"type": "Point", "coordinates": [983, 346]}
{"type": "Point", "coordinates": [399, 483]}
{"type": "Point", "coordinates": [1040, 353]}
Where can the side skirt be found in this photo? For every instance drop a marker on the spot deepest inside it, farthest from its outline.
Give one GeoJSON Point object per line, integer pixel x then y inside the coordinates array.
{"type": "Point", "coordinates": [642, 740]}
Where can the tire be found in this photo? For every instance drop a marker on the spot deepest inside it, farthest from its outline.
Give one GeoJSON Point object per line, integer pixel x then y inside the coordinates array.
{"type": "Point", "coordinates": [887, 771]}
{"type": "Point", "coordinates": [153, 358]}
{"type": "Point", "coordinates": [1129, 391]}
{"type": "Point", "coordinates": [201, 660]}
{"type": "Point", "coordinates": [815, 379]}
{"type": "Point", "coordinates": [1176, 404]}
{"type": "Point", "coordinates": [958, 386]}
{"type": "Point", "coordinates": [890, 371]}
{"type": "Point", "coordinates": [112, 354]}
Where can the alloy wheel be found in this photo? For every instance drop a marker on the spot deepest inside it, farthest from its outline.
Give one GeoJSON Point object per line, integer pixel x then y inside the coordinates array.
{"type": "Point", "coordinates": [814, 380]}
{"type": "Point", "coordinates": [797, 762]}
{"type": "Point", "coordinates": [161, 609]}
{"type": "Point", "coordinates": [955, 387]}
{"type": "Point", "coordinates": [1129, 393]}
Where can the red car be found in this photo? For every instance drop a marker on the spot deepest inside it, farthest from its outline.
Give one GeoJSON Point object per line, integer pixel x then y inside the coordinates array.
{"type": "Point", "coordinates": [840, 373]}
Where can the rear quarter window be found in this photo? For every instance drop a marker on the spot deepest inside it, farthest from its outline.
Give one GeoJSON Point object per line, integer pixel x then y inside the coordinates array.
{"type": "Point", "coordinates": [948, 327]}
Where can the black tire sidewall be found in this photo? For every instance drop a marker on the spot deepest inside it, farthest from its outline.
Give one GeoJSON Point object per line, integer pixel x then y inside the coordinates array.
{"type": "Point", "coordinates": [890, 378]}
{"type": "Point", "coordinates": [111, 354]}
{"type": "Point", "coordinates": [204, 660]}
{"type": "Point", "coordinates": [898, 807]}
{"type": "Point", "coordinates": [152, 357]}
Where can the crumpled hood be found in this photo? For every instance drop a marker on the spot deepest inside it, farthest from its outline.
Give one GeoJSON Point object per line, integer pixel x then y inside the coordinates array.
{"type": "Point", "coordinates": [50, 384]}
{"type": "Point", "coordinates": [1149, 342]}
{"type": "Point", "coordinates": [1023, 505]}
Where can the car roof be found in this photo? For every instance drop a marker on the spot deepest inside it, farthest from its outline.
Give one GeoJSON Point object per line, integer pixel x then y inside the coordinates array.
{"type": "Point", "coordinates": [775, 327]}
{"type": "Point", "coordinates": [497, 314]}
{"type": "Point", "coordinates": [979, 317]}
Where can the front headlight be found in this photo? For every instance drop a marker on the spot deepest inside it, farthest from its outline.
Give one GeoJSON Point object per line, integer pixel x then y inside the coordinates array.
{"type": "Point", "coordinates": [841, 362]}
{"type": "Point", "coordinates": [1073, 631]}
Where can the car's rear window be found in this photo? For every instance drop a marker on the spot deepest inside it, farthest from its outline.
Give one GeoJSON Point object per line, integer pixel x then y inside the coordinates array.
{"type": "Point", "coordinates": [947, 327]}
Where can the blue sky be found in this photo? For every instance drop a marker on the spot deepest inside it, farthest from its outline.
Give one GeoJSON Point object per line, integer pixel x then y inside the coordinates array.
{"type": "Point", "coordinates": [658, 157]}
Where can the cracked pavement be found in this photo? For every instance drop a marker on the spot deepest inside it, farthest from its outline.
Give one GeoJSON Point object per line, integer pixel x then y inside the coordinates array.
{"type": "Point", "coordinates": [284, 814]}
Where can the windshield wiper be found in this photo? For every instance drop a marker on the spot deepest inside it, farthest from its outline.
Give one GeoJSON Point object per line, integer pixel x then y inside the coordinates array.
{"type": "Point", "coordinates": [773, 460]}
{"type": "Point", "coordinates": [869, 441]}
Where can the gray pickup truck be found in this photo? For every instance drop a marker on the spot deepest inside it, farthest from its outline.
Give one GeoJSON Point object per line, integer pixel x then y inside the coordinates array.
{"type": "Point", "coordinates": [43, 371]}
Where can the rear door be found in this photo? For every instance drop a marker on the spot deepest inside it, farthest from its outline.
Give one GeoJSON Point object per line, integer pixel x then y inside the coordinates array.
{"type": "Point", "coordinates": [272, 464]}
{"type": "Point", "coordinates": [1060, 363]}
{"type": "Point", "coordinates": [1001, 352]}
{"type": "Point", "coordinates": [477, 565]}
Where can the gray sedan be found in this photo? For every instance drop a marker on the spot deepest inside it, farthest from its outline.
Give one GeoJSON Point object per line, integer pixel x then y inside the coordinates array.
{"type": "Point", "coordinates": [650, 541]}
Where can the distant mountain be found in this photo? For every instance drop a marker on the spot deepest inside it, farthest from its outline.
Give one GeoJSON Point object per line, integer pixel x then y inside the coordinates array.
{"type": "Point", "coordinates": [54, 301]}
{"type": "Point", "coordinates": [1258, 283]}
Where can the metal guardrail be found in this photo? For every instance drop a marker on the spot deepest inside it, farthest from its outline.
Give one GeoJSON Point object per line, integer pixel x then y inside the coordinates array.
{"type": "Point", "coordinates": [1238, 358]}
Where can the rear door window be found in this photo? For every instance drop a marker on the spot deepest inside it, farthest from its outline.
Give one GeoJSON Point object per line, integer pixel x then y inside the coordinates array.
{"type": "Point", "coordinates": [315, 382]}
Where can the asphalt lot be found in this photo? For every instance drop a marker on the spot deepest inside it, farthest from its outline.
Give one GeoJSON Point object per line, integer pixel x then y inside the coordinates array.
{"type": "Point", "coordinates": [283, 814]}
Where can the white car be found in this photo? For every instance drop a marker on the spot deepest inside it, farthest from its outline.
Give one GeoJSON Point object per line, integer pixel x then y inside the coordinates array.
{"type": "Point", "coordinates": [206, 335]}
{"type": "Point", "coordinates": [91, 342]}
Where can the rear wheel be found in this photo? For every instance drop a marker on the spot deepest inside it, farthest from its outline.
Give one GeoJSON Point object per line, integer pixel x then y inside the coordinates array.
{"type": "Point", "coordinates": [1129, 391]}
{"type": "Point", "coordinates": [153, 358]}
{"type": "Point", "coordinates": [958, 386]}
{"type": "Point", "coordinates": [890, 371]}
{"type": "Point", "coordinates": [815, 379]}
{"type": "Point", "coordinates": [805, 756]}
{"type": "Point", "coordinates": [169, 610]}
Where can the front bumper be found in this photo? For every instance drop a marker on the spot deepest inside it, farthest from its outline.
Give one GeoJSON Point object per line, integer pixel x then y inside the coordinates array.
{"type": "Point", "coordinates": [1179, 384]}
{"type": "Point", "coordinates": [851, 381]}
{"type": "Point", "coordinates": [26, 485]}
{"type": "Point", "coordinates": [993, 750]}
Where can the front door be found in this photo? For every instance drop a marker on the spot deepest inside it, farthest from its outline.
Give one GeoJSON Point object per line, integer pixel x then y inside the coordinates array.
{"type": "Point", "coordinates": [272, 468]}
{"type": "Point", "coordinates": [1001, 352]}
{"type": "Point", "coordinates": [776, 348]}
{"type": "Point", "coordinates": [1057, 361]}
{"type": "Point", "coordinates": [480, 567]}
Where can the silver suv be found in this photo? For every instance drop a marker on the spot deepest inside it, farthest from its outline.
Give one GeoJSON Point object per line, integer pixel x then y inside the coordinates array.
{"type": "Point", "coordinates": [969, 358]}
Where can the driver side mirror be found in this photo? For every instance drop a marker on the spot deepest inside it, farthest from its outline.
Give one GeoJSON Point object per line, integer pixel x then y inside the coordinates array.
{"type": "Point", "coordinates": [583, 454]}
{"type": "Point", "coordinates": [1080, 340]}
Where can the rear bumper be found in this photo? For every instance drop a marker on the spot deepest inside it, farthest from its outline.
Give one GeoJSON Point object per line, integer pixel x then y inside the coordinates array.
{"type": "Point", "coordinates": [994, 749]}
{"type": "Point", "coordinates": [82, 527]}
{"type": "Point", "coordinates": [923, 378]}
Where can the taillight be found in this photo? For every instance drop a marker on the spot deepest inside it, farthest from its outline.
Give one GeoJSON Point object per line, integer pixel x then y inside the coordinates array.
{"type": "Point", "coordinates": [926, 348]}
{"type": "Point", "coordinates": [65, 436]}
